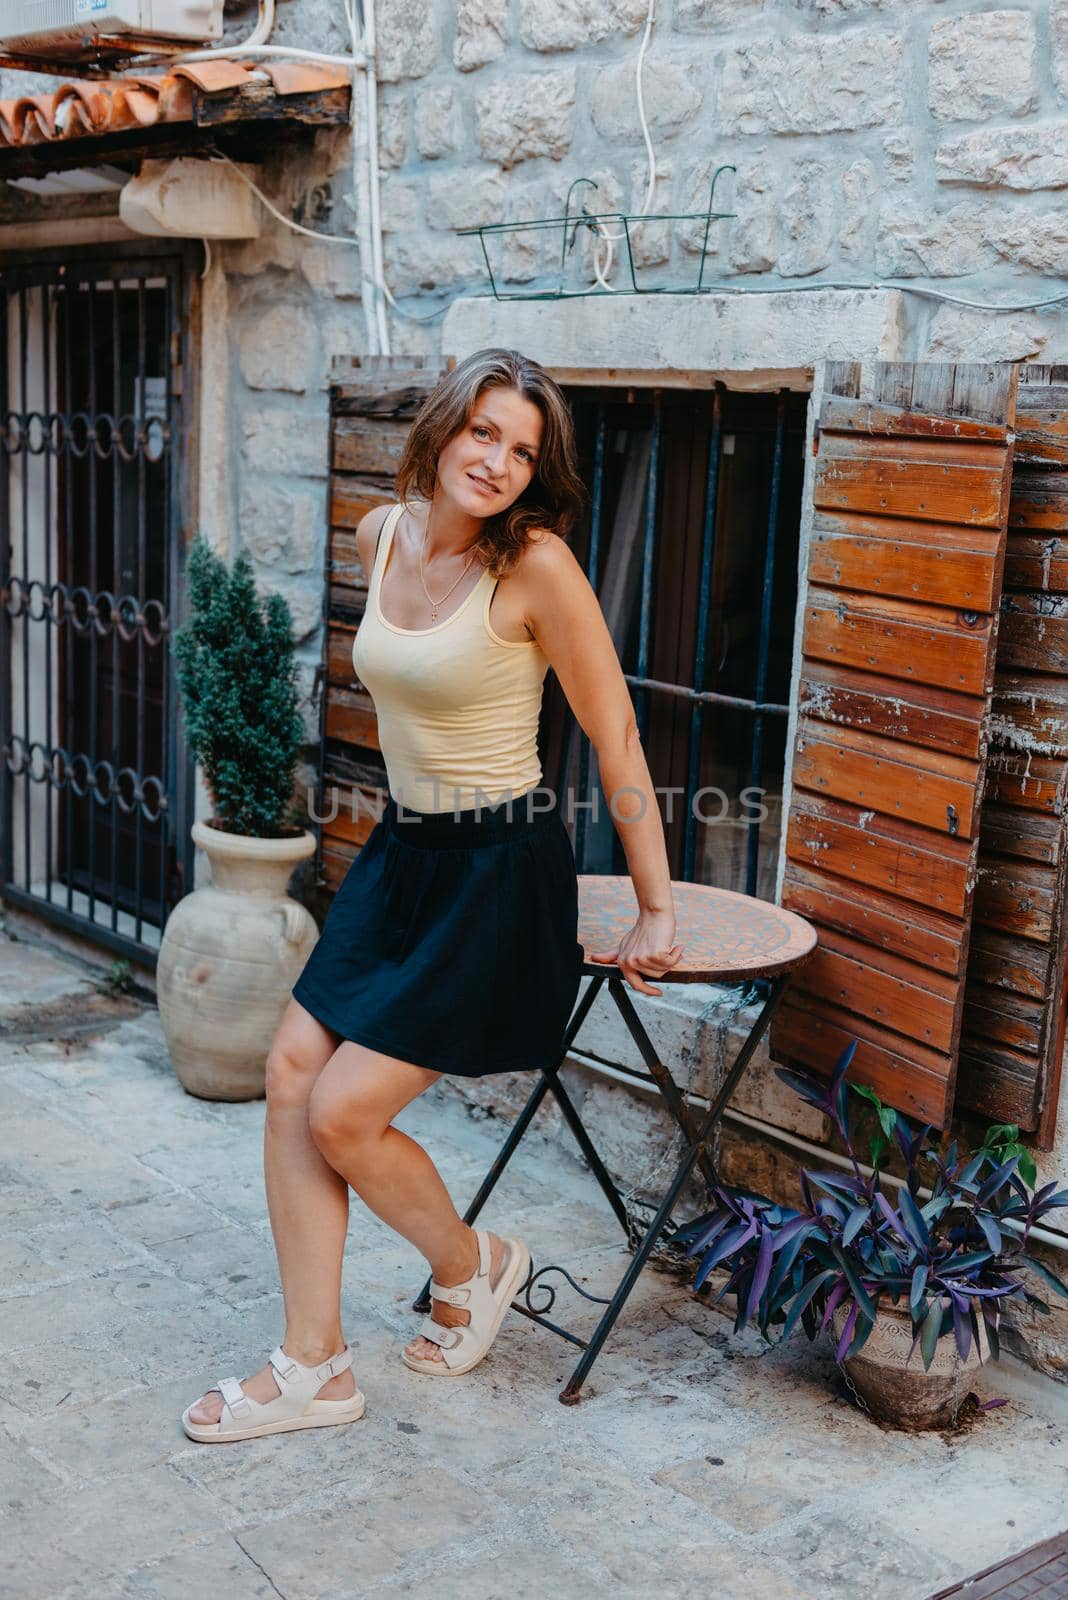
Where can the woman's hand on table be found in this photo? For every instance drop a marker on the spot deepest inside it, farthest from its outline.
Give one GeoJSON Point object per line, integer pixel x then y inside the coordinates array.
{"type": "Point", "coordinates": [647, 950]}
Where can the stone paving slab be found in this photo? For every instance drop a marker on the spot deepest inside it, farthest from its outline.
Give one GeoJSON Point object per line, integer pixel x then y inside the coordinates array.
{"type": "Point", "coordinates": [136, 1267]}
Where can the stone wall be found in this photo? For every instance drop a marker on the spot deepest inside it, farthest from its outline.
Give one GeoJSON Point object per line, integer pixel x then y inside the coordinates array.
{"type": "Point", "coordinates": [920, 140]}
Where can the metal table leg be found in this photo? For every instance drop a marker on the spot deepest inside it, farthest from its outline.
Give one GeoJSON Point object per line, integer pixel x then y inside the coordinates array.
{"type": "Point", "coordinates": [697, 1134]}
{"type": "Point", "coordinates": [569, 1395]}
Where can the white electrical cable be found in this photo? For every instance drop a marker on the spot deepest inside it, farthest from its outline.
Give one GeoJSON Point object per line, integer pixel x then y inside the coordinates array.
{"type": "Point", "coordinates": [366, 176]}
{"type": "Point", "coordinates": [601, 270]}
{"type": "Point", "coordinates": [297, 227]}
{"type": "Point", "coordinates": [887, 283]}
{"type": "Point", "coordinates": [326, 238]}
{"type": "Point", "coordinates": [256, 45]}
{"type": "Point", "coordinates": [288, 51]}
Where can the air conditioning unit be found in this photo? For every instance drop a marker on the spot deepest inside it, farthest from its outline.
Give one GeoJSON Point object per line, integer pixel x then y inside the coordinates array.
{"type": "Point", "coordinates": [81, 30]}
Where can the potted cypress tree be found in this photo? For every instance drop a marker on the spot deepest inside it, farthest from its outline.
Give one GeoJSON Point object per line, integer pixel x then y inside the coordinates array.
{"type": "Point", "coordinates": [232, 950]}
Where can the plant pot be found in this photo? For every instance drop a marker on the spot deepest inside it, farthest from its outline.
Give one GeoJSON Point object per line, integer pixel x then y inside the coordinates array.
{"type": "Point", "coordinates": [230, 955]}
{"type": "Point", "coordinates": [907, 1397]}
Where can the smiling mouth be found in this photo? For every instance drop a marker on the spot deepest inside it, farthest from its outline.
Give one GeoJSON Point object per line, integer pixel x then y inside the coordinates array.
{"type": "Point", "coordinates": [488, 487]}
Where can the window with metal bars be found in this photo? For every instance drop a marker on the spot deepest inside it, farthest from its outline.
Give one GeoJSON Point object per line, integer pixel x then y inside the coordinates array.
{"type": "Point", "coordinates": [691, 542]}
{"type": "Point", "coordinates": [95, 784]}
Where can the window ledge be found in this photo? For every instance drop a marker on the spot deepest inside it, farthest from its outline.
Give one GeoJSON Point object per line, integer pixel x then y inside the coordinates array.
{"type": "Point", "coordinates": [745, 340]}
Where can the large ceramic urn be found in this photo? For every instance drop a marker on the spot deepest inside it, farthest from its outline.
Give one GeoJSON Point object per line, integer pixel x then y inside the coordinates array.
{"type": "Point", "coordinates": [230, 955]}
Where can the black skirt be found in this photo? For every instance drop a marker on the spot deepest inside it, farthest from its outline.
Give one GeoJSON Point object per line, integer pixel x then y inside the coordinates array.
{"type": "Point", "coordinates": [452, 941]}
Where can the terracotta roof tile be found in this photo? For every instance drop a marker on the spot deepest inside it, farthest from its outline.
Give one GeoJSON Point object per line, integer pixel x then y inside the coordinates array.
{"type": "Point", "coordinates": [85, 108]}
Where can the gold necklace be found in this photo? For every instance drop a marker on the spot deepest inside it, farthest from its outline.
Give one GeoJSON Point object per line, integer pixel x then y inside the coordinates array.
{"type": "Point", "coordinates": [434, 604]}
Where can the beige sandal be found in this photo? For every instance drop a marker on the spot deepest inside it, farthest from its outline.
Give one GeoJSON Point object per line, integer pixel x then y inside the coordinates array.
{"type": "Point", "coordinates": [463, 1347]}
{"type": "Point", "coordinates": [294, 1406]}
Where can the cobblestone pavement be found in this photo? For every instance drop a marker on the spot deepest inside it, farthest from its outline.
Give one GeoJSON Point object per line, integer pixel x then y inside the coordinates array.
{"type": "Point", "coordinates": [138, 1268]}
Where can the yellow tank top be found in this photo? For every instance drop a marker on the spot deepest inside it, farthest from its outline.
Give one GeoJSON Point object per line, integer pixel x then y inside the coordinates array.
{"type": "Point", "coordinates": [457, 705]}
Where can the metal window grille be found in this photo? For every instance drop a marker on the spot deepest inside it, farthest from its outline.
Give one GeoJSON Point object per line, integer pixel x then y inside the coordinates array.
{"type": "Point", "coordinates": [95, 792]}
{"type": "Point", "coordinates": [691, 542]}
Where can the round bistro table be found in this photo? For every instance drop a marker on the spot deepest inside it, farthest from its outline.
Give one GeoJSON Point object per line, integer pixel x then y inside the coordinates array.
{"type": "Point", "coordinates": [727, 938]}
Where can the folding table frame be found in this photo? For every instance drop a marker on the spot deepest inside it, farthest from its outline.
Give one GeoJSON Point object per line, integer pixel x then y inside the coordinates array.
{"type": "Point", "coordinates": [697, 1134]}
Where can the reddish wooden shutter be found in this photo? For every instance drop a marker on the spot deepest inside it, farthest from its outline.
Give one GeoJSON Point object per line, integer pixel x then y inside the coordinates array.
{"type": "Point", "coordinates": [372, 404]}
{"type": "Point", "coordinates": [1014, 1012]}
{"type": "Point", "coordinates": [909, 493]}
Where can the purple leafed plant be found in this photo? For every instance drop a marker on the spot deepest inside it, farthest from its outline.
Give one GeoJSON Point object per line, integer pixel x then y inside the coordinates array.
{"type": "Point", "coordinates": [861, 1241]}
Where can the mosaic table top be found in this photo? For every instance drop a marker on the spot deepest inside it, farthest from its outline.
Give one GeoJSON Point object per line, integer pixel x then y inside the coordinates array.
{"type": "Point", "coordinates": [725, 936]}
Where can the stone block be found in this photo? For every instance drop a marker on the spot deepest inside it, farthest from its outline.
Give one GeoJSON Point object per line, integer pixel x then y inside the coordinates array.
{"type": "Point", "coordinates": [808, 221]}
{"type": "Point", "coordinates": [706, 16]}
{"type": "Point", "coordinates": [958, 333]}
{"type": "Point", "coordinates": [859, 211]}
{"type": "Point", "coordinates": [693, 195]}
{"type": "Point", "coordinates": [332, 269]}
{"type": "Point", "coordinates": [676, 333]}
{"type": "Point", "coordinates": [294, 439]}
{"type": "Point", "coordinates": [528, 114]}
{"type": "Point", "coordinates": [100, 1531]}
{"type": "Point", "coordinates": [219, 1566]}
{"type": "Point", "coordinates": [981, 65]}
{"type": "Point", "coordinates": [392, 127]}
{"type": "Point", "coordinates": [282, 527]}
{"type": "Point", "coordinates": [277, 246]}
{"type": "Point", "coordinates": [342, 332]}
{"type": "Point", "coordinates": [808, 84]}
{"type": "Point", "coordinates": [467, 197]}
{"type": "Point", "coordinates": [305, 599]}
{"type": "Point", "coordinates": [373, 1535]}
{"type": "Point", "coordinates": [403, 204]}
{"type": "Point", "coordinates": [604, 193]}
{"type": "Point", "coordinates": [35, 977]}
{"type": "Point", "coordinates": [835, 10]}
{"type": "Point", "coordinates": [754, 233]}
{"type": "Point", "coordinates": [650, 241]}
{"type": "Point", "coordinates": [900, 150]}
{"type": "Point", "coordinates": [437, 123]}
{"type": "Point", "coordinates": [523, 256]}
{"type": "Point", "coordinates": [41, 1379]}
{"type": "Point", "coordinates": [1058, 28]}
{"type": "Point", "coordinates": [1029, 157]}
{"type": "Point", "coordinates": [481, 33]}
{"type": "Point", "coordinates": [407, 40]}
{"type": "Point", "coordinates": [276, 347]}
{"type": "Point", "coordinates": [566, 24]}
{"type": "Point", "coordinates": [120, 1434]}
{"type": "Point", "coordinates": [915, 241]}
{"type": "Point", "coordinates": [670, 92]}
{"type": "Point", "coordinates": [1039, 242]}
{"type": "Point", "coordinates": [422, 261]}
{"type": "Point", "coordinates": [161, 1217]}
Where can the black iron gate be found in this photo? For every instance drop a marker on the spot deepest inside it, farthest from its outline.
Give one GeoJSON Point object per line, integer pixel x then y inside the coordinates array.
{"type": "Point", "coordinates": [94, 808]}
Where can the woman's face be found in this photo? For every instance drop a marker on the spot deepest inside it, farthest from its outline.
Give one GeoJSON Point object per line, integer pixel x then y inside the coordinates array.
{"type": "Point", "coordinates": [487, 465]}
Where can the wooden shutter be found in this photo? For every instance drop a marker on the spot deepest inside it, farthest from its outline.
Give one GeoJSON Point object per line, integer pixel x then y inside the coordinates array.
{"type": "Point", "coordinates": [1015, 1002]}
{"type": "Point", "coordinates": [910, 492]}
{"type": "Point", "coordinates": [372, 403]}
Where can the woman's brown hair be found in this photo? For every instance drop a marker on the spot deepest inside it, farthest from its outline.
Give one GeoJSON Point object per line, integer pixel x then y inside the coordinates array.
{"type": "Point", "coordinates": [554, 497]}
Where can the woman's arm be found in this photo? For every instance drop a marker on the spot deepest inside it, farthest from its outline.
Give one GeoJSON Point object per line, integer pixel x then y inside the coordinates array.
{"type": "Point", "coordinates": [564, 615]}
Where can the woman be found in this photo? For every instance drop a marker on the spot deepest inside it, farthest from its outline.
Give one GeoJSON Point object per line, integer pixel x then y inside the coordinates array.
{"type": "Point", "coordinates": [451, 945]}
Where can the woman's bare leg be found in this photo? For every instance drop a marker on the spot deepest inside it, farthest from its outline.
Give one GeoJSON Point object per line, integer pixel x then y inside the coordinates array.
{"type": "Point", "coordinates": [350, 1115]}
{"type": "Point", "coordinates": [308, 1204]}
